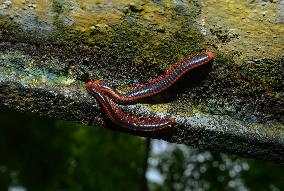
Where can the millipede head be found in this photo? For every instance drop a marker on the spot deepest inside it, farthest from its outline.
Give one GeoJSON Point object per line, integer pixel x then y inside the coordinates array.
{"type": "Point", "coordinates": [210, 55]}
{"type": "Point", "coordinates": [89, 84]}
{"type": "Point", "coordinates": [173, 120]}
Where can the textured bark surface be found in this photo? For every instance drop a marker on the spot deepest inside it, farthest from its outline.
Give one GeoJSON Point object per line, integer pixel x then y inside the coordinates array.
{"type": "Point", "coordinates": [49, 49]}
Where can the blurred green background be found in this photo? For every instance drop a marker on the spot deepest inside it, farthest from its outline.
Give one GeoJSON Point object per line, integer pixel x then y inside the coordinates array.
{"type": "Point", "coordinates": [42, 154]}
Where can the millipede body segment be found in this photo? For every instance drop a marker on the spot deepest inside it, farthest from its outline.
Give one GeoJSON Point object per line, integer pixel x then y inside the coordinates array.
{"type": "Point", "coordinates": [158, 84]}
{"type": "Point", "coordinates": [106, 95]}
{"type": "Point", "coordinates": [125, 120]}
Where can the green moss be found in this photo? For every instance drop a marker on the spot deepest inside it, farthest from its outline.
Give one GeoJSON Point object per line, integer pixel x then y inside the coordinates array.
{"type": "Point", "coordinates": [149, 44]}
{"type": "Point", "coordinates": [7, 25]}
{"type": "Point", "coordinates": [248, 92]}
{"type": "Point", "coordinates": [59, 6]}
{"type": "Point", "coordinates": [151, 37]}
{"type": "Point", "coordinates": [154, 33]}
{"type": "Point", "coordinates": [135, 7]}
{"type": "Point", "coordinates": [246, 28]}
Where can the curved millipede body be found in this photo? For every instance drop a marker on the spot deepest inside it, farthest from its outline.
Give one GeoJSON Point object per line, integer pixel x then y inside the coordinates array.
{"type": "Point", "coordinates": [123, 119]}
{"type": "Point", "coordinates": [160, 83]}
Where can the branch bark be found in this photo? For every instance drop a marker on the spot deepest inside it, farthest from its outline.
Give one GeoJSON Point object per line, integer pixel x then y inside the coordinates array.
{"type": "Point", "coordinates": [235, 105]}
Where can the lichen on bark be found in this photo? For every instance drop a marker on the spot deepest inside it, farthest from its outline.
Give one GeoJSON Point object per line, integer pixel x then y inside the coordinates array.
{"type": "Point", "coordinates": [49, 49]}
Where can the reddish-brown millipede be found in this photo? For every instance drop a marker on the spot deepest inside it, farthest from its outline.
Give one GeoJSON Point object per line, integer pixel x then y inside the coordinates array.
{"type": "Point", "coordinates": [158, 84]}
{"type": "Point", "coordinates": [125, 120]}
{"type": "Point", "coordinates": [104, 92]}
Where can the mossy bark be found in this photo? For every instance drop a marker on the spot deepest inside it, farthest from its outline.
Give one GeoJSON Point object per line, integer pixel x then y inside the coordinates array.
{"type": "Point", "coordinates": [49, 49]}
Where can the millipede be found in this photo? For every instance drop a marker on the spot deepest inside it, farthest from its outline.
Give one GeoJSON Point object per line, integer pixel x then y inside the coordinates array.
{"type": "Point", "coordinates": [158, 84]}
{"type": "Point", "coordinates": [107, 95]}
{"type": "Point", "coordinates": [125, 120]}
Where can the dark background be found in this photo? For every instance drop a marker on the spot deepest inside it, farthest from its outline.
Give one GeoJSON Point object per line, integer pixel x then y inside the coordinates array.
{"type": "Point", "coordinates": [37, 153]}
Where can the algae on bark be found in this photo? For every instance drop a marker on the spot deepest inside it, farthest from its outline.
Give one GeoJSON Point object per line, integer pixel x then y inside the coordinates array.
{"type": "Point", "coordinates": [49, 49]}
